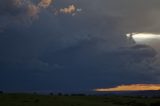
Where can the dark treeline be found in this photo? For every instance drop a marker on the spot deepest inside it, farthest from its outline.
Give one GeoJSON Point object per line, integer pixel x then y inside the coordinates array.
{"type": "Point", "coordinates": [1, 92]}
{"type": "Point", "coordinates": [65, 94]}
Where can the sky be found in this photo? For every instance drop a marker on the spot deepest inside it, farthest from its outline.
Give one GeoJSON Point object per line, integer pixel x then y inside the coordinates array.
{"type": "Point", "coordinates": [78, 45]}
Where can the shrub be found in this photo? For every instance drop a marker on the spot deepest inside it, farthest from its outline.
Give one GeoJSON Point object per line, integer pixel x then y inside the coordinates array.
{"type": "Point", "coordinates": [1, 92]}
{"type": "Point", "coordinates": [60, 94]}
{"type": "Point", "coordinates": [66, 94]}
{"type": "Point", "coordinates": [78, 95]}
{"type": "Point", "coordinates": [51, 94]}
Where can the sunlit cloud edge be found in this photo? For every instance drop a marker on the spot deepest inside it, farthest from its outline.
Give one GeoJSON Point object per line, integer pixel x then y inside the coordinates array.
{"type": "Point", "coordinates": [130, 87]}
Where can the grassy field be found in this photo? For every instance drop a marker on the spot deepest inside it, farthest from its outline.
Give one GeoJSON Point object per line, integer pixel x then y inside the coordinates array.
{"type": "Point", "coordinates": [44, 100]}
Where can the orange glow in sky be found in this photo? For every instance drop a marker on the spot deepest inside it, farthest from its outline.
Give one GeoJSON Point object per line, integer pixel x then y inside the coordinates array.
{"type": "Point", "coordinates": [132, 87]}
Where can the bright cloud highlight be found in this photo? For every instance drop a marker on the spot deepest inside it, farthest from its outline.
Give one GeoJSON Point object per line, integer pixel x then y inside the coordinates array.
{"type": "Point", "coordinates": [132, 87]}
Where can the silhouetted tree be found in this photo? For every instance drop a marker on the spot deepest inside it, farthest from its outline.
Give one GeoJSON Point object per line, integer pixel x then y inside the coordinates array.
{"type": "Point", "coordinates": [60, 94]}
{"type": "Point", "coordinates": [1, 92]}
{"type": "Point", "coordinates": [66, 94]}
{"type": "Point", "coordinates": [51, 94]}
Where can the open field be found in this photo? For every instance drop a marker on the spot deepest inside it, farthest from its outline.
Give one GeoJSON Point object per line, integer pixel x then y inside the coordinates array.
{"type": "Point", "coordinates": [46, 100]}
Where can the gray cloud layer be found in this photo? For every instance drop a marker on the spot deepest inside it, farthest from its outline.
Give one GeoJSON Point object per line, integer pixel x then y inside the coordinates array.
{"type": "Point", "coordinates": [134, 16]}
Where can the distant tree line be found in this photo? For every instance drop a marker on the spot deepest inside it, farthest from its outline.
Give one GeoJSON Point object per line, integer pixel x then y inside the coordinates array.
{"type": "Point", "coordinates": [61, 94]}
{"type": "Point", "coordinates": [1, 92]}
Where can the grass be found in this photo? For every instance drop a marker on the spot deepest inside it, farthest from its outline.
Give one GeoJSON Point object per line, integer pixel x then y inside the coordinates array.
{"type": "Point", "coordinates": [46, 100]}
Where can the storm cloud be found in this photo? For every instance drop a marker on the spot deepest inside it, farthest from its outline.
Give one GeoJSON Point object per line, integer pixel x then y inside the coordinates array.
{"type": "Point", "coordinates": [76, 52]}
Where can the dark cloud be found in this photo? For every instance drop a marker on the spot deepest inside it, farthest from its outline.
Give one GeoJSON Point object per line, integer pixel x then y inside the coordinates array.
{"type": "Point", "coordinates": [138, 52]}
{"type": "Point", "coordinates": [102, 69]}
{"type": "Point", "coordinates": [80, 52]}
{"type": "Point", "coordinates": [134, 16]}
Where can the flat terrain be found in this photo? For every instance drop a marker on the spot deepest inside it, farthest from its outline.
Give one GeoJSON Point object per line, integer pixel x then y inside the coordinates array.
{"type": "Point", "coordinates": [44, 100]}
